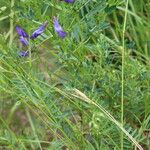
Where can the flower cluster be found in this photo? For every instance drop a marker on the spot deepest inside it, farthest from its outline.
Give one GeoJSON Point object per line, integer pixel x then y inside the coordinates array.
{"type": "Point", "coordinates": [24, 37]}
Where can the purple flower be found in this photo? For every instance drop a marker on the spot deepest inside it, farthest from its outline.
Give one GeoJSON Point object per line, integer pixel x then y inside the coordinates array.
{"type": "Point", "coordinates": [24, 40]}
{"type": "Point", "coordinates": [69, 1]}
{"type": "Point", "coordinates": [24, 53]}
{"type": "Point", "coordinates": [24, 37]}
{"type": "Point", "coordinates": [21, 32]}
{"type": "Point", "coordinates": [58, 28]}
{"type": "Point", "coordinates": [39, 31]}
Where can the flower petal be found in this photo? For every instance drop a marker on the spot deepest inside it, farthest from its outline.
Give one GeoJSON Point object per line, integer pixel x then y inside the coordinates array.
{"type": "Point", "coordinates": [62, 34]}
{"type": "Point", "coordinates": [21, 31]}
{"type": "Point", "coordinates": [24, 53]}
{"type": "Point", "coordinates": [39, 31]}
{"type": "Point", "coordinates": [70, 1]}
{"type": "Point", "coordinates": [24, 41]}
{"type": "Point", "coordinates": [58, 28]}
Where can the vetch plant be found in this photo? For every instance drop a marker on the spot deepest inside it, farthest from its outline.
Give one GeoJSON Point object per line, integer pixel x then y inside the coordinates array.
{"type": "Point", "coordinates": [24, 37]}
{"type": "Point", "coordinates": [70, 94]}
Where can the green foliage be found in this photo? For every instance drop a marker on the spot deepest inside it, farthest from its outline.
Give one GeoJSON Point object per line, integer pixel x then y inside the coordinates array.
{"type": "Point", "coordinates": [38, 106]}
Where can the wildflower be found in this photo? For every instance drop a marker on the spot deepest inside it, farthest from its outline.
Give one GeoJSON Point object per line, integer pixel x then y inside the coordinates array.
{"type": "Point", "coordinates": [58, 28]}
{"type": "Point", "coordinates": [24, 40]}
{"type": "Point", "coordinates": [21, 32]}
{"type": "Point", "coordinates": [70, 1]}
{"type": "Point", "coordinates": [24, 37]}
{"type": "Point", "coordinates": [39, 31]}
{"type": "Point", "coordinates": [24, 53]}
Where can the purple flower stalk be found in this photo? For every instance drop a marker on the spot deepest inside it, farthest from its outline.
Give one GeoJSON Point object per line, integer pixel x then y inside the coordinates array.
{"type": "Point", "coordinates": [39, 31]}
{"type": "Point", "coordinates": [70, 1]}
{"type": "Point", "coordinates": [21, 32]}
{"type": "Point", "coordinates": [24, 53]}
{"type": "Point", "coordinates": [58, 28]}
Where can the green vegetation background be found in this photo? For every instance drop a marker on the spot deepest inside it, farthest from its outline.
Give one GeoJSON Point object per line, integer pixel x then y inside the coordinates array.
{"type": "Point", "coordinates": [76, 93]}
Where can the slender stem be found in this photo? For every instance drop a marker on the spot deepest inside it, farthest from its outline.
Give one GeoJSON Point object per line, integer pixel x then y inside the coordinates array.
{"type": "Point", "coordinates": [122, 74]}
{"type": "Point", "coordinates": [33, 129]}
{"type": "Point", "coordinates": [11, 22]}
{"type": "Point", "coordinates": [30, 58]}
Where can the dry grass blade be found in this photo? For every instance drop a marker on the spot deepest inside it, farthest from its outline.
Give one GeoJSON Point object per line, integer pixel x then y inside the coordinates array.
{"type": "Point", "coordinates": [83, 97]}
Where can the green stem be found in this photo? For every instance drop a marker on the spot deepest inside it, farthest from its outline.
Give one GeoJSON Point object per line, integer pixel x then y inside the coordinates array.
{"type": "Point", "coordinates": [122, 74]}
{"type": "Point", "coordinates": [30, 57]}
{"type": "Point", "coordinates": [33, 129]}
{"type": "Point", "coordinates": [11, 22]}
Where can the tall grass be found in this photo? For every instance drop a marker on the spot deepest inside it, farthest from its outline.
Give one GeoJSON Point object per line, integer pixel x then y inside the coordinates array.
{"type": "Point", "coordinates": [122, 75]}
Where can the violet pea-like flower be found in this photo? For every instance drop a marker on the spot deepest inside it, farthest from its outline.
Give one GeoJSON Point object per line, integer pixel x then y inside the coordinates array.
{"type": "Point", "coordinates": [39, 31]}
{"type": "Point", "coordinates": [21, 32]}
{"type": "Point", "coordinates": [70, 1]}
{"type": "Point", "coordinates": [58, 28]}
{"type": "Point", "coordinates": [23, 35]}
{"type": "Point", "coordinates": [24, 53]}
